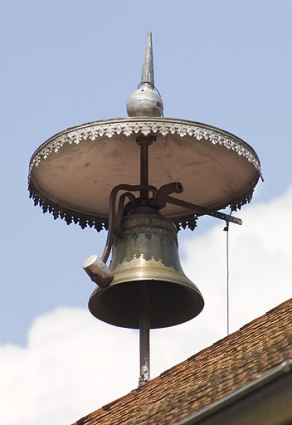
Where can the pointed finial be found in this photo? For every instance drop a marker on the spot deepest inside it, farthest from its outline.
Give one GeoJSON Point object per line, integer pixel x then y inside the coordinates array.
{"type": "Point", "coordinates": [146, 102]}
{"type": "Point", "coordinates": [148, 71]}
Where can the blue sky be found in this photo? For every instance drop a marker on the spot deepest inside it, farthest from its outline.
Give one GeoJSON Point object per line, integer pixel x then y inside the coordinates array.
{"type": "Point", "coordinates": [224, 63]}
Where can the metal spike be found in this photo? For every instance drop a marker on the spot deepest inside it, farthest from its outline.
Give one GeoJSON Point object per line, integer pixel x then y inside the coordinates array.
{"type": "Point", "coordinates": [148, 69]}
{"type": "Point", "coordinates": [146, 101]}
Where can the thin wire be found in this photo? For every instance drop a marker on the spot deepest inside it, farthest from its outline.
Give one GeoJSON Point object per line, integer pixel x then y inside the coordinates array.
{"type": "Point", "coordinates": [148, 82]}
{"type": "Point", "coordinates": [227, 277]}
{"type": "Point", "coordinates": [226, 229]}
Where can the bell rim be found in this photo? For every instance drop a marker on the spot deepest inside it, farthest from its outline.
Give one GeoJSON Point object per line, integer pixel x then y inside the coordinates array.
{"type": "Point", "coordinates": [196, 302]}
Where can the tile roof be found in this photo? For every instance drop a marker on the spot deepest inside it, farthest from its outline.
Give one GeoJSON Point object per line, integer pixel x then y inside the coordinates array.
{"type": "Point", "coordinates": [206, 377]}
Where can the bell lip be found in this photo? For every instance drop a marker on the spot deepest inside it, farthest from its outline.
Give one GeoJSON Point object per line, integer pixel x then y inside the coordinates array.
{"type": "Point", "coordinates": [155, 275]}
{"type": "Point", "coordinates": [102, 309]}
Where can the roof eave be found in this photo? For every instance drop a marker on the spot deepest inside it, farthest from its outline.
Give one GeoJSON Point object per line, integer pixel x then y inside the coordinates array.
{"type": "Point", "coordinates": [266, 400]}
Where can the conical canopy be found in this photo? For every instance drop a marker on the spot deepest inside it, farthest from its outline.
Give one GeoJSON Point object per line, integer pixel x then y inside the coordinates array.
{"type": "Point", "coordinates": [72, 174]}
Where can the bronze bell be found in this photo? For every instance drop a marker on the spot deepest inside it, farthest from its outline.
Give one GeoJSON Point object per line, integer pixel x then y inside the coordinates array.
{"type": "Point", "coordinates": [146, 251]}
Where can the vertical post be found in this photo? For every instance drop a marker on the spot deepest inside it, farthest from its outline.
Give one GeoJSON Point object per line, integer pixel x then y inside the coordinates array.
{"type": "Point", "coordinates": [144, 195]}
{"type": "Point", "coordinates": [144, 312]}
{"type": "Point", "coordinates": [144, 142]}
{"type": "Point", "coordinates": [144, 335]}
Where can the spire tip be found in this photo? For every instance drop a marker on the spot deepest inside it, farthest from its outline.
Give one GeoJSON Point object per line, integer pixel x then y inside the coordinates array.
{"type": "Point", "coordinates": [146, 101]}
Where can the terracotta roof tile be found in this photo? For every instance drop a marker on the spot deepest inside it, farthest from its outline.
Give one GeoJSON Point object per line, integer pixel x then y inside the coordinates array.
{"type": "Point", "coordinates": [207, 376]}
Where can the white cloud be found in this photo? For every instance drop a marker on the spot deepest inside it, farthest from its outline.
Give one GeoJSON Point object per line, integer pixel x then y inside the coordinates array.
{"type": "Point", "coordinates": [74, 363]}
{"type": "Point", "coordinates": [260, 259]}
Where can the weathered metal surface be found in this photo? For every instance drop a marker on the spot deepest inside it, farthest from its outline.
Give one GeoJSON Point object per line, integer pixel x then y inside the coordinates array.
{"type": "Point", "coordinates": [216, 168]}
{"type": "Point", "coordinates": [146, 251]}
{"type": "Point", "coordinates": [144, 142]}
{"type": "Point", "coordinates": [146, 102]}
{"type": "Point", "coordinates": [148, 66]}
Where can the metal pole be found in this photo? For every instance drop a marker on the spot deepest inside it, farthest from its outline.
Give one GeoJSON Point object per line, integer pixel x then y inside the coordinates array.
{"type": "Point", "coordinates": [144, 312]}
{"type": "Point", "coordinates": [144, 142]}
{"type": "Point", "coordinates": [144, 195]}
{"type": "Point", "coordinates": [144, 324]}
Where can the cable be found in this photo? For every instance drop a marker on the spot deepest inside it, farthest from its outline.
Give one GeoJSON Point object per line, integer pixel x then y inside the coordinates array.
{"type": "Point", "coordinates": [226, 229]}
{"type": "Point", "coordinates": [148, 82]}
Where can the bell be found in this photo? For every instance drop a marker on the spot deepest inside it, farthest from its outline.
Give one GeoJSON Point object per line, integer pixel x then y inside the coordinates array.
{"type": "Point", "coordinates": [146, 251]}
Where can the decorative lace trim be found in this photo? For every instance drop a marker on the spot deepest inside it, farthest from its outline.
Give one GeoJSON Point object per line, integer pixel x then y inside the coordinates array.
{"type": "Point", "coordinates": [163, 127]}
{"type": "Point", "coordinates": [128, 127]}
